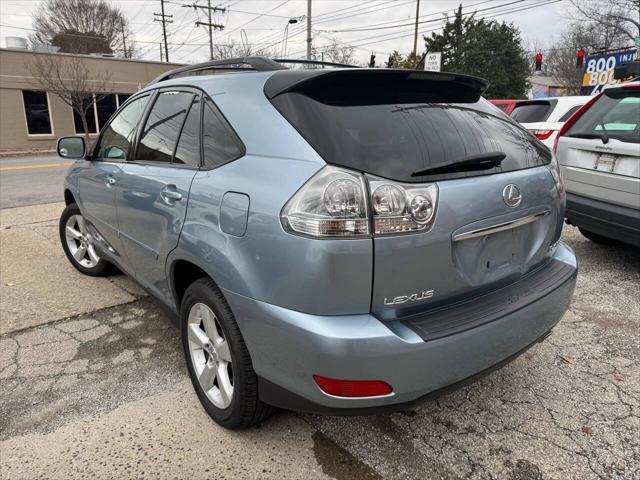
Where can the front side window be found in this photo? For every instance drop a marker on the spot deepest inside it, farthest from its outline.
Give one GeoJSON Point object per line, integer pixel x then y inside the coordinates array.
{"type": "Point", "coordinates": [116, 139]}
{"type": "Point", "coordinates": [160, 133]}
{"type": "Point", "coordinates": [36, 109]}
{"type": "Point", "coordinates": [219, 142]}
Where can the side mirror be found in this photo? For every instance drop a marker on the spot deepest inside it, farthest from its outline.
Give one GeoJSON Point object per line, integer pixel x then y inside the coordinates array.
{"type": "Point", "coordinates": [71, 147]}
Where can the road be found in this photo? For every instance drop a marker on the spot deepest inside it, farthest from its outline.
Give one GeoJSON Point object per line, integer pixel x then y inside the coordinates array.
{"type": "Point", "coordinates": [94, 385]}
{"type": "Point", "coordinates": [30, 180]}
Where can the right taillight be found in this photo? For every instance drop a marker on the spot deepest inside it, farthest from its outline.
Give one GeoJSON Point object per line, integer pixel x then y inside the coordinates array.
{"type": "Point", "coordinates": [402, 207]}
{"type": "Point", "coordinates": [573, 119]}
{"type": "Point", "coordinates": [336, 203]}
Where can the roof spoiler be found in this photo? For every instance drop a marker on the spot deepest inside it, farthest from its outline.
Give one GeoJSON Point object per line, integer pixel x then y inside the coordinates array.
{"type": "Point", "coordinates": [307, 80]}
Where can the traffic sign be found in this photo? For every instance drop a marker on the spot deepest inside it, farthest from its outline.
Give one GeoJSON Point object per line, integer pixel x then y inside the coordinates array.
{"type": "Point", "coordinates": [432, 62]}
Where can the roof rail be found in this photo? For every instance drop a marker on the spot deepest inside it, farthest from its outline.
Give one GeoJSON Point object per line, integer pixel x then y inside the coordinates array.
{"type": "Point", "coordinates": [313, 62]}
{"type": "Point", "coordinates": [258, 64]}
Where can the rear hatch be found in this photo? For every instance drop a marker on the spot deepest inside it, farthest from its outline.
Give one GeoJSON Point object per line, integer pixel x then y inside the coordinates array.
{"type": "Point", "coordinates": [600, 150]}
{"type": "Point", "coordinates": [497, 209]}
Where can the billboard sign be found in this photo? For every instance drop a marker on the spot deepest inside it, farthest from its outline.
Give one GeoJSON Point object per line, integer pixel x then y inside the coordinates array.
{"type": "Point", "coordinates": [432, 62]}
{"type": "Point", "coordinates": [598, 70]}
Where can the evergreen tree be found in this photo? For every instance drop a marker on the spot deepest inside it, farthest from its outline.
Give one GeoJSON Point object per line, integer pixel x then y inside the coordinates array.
{"type": "Point", "coordinates": [485, 49]}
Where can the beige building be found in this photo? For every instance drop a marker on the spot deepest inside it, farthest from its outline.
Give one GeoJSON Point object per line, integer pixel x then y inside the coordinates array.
{"type": "Point", "coordinates": [32, 119]}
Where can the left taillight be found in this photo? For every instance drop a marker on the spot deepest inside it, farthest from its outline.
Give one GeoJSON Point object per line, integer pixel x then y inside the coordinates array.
{"type": "Point", "coordinates": [332, 204]}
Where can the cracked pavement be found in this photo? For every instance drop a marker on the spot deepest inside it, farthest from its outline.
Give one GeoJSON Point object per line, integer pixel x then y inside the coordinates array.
{"type": "Point", "coordinates": [95, 385]}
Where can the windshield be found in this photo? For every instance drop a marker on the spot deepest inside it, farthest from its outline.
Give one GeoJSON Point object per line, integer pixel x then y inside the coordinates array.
{"type": "Point", "coordinates": [531, 112]}
{"type": "Point", "coordinates": [616, 114]}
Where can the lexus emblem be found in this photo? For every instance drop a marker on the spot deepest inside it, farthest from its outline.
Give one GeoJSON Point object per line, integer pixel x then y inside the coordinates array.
{"type": "Point", "coordinates": [511, 195]}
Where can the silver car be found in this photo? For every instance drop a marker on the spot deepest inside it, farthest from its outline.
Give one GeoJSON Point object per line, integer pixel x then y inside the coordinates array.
{"type": "Point", "coordinates": [599, 153]}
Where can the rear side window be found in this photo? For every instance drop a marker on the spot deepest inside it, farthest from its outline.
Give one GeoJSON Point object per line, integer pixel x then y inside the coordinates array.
{"type": "Point", "coordinates": [116, 139]}
{"type": "Point", "coordinates": [219, 142]}
{"type": "Point", "coordinates": [571, 111]}
{"type": "Point", "coordinates": [163, 125]}
{"type": "Point", "coordinates": [615, 114]}
{"type": "Point", "coordinates": [188, 150]}
{"type": "Point", "coordinates": [531, 112]}
{"type": "Point", "coordinates": [502, 106]}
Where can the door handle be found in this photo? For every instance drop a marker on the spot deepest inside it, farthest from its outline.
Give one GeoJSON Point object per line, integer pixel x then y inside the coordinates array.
{"type": "Point", "coordinates": [109, 181]}
{"type": "Point", "coordinates": [169, 195]}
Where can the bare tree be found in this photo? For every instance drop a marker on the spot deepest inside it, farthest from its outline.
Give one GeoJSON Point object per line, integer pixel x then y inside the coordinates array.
{"type": "Point", "coordinates": [335, 51]}
{"type": "Point", "coordinates": [560, 61]}
{"type": "Point", "coordinates": [68, 77]}
{"type": "Point", "coordinates": [233, 49]}
{"type": "Point", "coordinates": [83, 26]}
{"type": "Point", "coordinates": [621, 17]}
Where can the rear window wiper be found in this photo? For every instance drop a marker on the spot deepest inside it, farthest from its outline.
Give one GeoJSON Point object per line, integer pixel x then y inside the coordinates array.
{"type": "Point", "coordinates": [472, 163]}
{"type": "Point", "coordinates": [602, 136]}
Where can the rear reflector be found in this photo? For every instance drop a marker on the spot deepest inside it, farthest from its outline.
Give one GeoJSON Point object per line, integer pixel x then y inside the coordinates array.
{"type": "Point", "coordinates": [542, 134]}
{"type": "Point", "coordinates": [352, 388]}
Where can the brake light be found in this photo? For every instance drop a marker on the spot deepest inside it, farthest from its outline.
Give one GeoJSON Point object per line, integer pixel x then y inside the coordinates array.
{"type": "Point", "coordinates": [352, 388]}
{"type": "Point", "coordinates": [542, 134]}
{"type": "Point", "coordinates": [573, 119]}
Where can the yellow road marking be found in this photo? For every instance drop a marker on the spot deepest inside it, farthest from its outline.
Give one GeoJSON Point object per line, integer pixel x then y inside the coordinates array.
{"type": "Point", "coordinates": [29, 167]}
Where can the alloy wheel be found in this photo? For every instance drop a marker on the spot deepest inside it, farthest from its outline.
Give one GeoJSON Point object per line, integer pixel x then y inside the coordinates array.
{"type": "Point", "coordinates": [80, 242]}
{"type": "Point", "coordinates": [210, 355]}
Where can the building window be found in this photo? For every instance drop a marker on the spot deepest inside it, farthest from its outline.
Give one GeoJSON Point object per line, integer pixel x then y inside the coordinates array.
{"type": "Point", "coordinates": [91, 118]}
{"type": "Point", "coordinates": [123, 97]}
{"type": "Point", "coordinates": [105, 107]}
{"type": "Point", "coordinates": [36, 109]}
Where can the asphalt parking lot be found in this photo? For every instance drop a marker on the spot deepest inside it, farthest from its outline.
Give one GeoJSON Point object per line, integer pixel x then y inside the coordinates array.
{"type": "Point", "coordinates": [94, 385]}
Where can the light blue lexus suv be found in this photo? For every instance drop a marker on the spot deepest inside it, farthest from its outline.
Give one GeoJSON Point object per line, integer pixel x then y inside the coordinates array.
{"type": "Point", "coordinates": [337, 240]}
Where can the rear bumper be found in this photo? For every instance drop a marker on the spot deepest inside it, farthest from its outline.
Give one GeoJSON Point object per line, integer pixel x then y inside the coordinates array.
{"type": "Point", "coordinates": [288, 347]}
{"type": "Point", "coordinates": [606, 219]}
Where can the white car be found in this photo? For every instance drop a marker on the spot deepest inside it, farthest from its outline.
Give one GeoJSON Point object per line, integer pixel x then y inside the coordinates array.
{"type": "Point", "coordinates": [545, 117]}
{"type": "Point", "coordinates": [599, 154]}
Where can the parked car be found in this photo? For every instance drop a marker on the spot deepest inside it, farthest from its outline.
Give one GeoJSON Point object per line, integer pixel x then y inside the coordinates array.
{"type": "Point", "coordinates": [506, 106]}
{"type": "Point", "coordinates": [599, 153]}
{"type": "Point", "coordinates": [343, 241]}
{"type": "Point", "coordinates": [544, 118]}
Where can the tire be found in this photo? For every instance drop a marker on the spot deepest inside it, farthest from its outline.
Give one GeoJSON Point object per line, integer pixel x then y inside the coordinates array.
{"type": "Point", "coordinates": [90, 264]}
{"type": "Point", "coordinates": [596, 238]}
{"type": "Point", "coordinates": [204, 310]}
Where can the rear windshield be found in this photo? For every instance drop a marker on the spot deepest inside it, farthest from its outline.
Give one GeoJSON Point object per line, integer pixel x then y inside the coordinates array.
{"type": "Point", "coordinates": [531, 112]}
{"type": "Point", "coordinates": [396, 140]}
{"type": "Point", "coordinates": [616, 114]}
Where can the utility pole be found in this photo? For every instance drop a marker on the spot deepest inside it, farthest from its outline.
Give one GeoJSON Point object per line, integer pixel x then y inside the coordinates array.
{"type": "Point", "coordinates": [124, 40]}
{"type": "Point", "coordinates": [163, 19]}
{"type": "Point", "coordinates": [160, 50]}
{"type": "Point", "coordinates": [212, 26]}
{"type": "Point", "coordinates": [415, 35]}
{"type": "Point", "coordinates": [308, 29]}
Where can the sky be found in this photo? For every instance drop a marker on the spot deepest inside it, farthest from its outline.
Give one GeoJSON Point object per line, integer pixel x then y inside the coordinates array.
{"type": "Point", "coordinates": [374, 26]}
